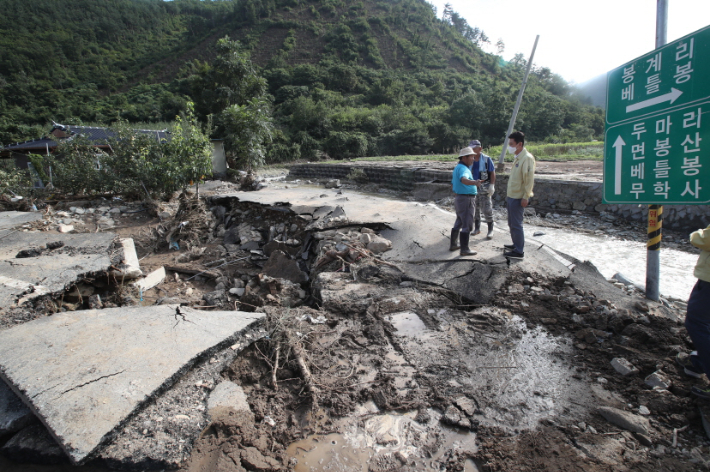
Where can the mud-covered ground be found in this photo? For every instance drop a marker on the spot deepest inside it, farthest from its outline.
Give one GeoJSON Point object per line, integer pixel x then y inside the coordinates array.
{"type": "Point", "coordinates": [363, 369]}
{"type": "Point", "coordinates": [426, 373]}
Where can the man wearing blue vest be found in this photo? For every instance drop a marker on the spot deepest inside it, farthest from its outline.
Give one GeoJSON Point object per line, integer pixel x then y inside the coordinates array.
{"type": "Point", "coordinates": [465, 202]}
{"type": "Point", "coordinates": [483, 170]}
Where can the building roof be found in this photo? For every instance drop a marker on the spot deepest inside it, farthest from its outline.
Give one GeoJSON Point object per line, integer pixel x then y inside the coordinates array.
{"type": "Point", "coordinates": [41, 144]}
{"type": "Point", "coordinates": [98, 136]}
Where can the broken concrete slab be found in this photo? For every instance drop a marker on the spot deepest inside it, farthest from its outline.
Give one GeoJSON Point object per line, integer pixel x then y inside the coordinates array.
{"type": "Point", "coordinates": [11, 244]}
{"type": "Point", "coordinates": [10, 219]}
{"type": "Point", "coordinates": [280, 266]}
{"type": "Point", "coordinates": [227, 396]}
{"type": "Point", "coordinates": [658, 380]}
{"type": "Point", "coordinates": [585, 274]}
{"type": "Point", "coordinates": [83, 384]}
{"type": "Point", "coordinates": [151, 280]}
{"type": "Point", "coordinates": [14, 415]}
{"type": "Point", "coordinates": [460, 277]}
{"type": "Point", "coordinates": [51, 272]}
{"type": "Point", "coordinates": [626, 420]}
{"type": "Point", "coordinates": [129, 268]}
{"type": "Point", "coordinates": [623, 366]}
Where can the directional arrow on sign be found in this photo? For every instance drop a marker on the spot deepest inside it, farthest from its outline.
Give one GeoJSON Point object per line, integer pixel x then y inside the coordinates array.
{"type": "Point", "coordinates": [619, 147]}
{"type": "Point", "coordinates": [671, 96]}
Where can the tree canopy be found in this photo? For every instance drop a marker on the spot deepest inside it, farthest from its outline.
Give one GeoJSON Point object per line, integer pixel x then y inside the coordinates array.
{"type": "Point", "coordinates": [342, 79]}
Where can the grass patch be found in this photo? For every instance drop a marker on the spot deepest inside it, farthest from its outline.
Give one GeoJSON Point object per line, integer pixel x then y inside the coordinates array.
{"type": "Point", "coordinates": [591, 151]}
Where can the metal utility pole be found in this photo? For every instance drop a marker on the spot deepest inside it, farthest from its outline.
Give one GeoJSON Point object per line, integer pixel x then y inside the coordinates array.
{"type": "Point", "coordinates": [500, 167]}
{"type": "Point", "coordinates": [655, 212]}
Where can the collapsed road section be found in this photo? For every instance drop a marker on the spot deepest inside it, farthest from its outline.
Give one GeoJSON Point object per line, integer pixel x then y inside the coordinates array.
{"type": "Point", "coordinates": [417, 238]}
{"type": "Point", "coordinates": [376, 349]}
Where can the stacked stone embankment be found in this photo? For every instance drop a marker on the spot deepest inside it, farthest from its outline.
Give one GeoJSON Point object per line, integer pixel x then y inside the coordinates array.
{"type": "Point", "coordinates": [550, 194]}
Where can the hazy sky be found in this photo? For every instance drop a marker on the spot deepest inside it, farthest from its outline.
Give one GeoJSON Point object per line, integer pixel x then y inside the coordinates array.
{"type": "Point", "coordinates": [578, 40]}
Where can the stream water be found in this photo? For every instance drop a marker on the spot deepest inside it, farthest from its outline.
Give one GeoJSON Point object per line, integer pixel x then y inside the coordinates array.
{"type": "Point", "coordinates": [611, 255]}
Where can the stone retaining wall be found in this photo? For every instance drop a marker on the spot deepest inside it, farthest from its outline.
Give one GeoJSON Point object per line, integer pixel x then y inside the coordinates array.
{"type": "Point", "coordinates": [550, 194]}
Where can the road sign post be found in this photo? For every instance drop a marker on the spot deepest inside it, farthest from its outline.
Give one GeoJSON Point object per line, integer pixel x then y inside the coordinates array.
{"type": "Point", "coordinates": [657, 137]}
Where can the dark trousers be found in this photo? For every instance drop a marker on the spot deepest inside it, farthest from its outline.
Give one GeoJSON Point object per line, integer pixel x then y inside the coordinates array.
{"type": "Point", "coordinates": [465, 206]}
{"type": "Point", "coordinates": [697, 322]}
{"type": "Point", "coordinates": [515, 222]}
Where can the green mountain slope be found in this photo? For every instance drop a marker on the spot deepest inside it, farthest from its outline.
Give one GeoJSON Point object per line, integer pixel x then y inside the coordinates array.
{"type": "Point", "coordinates": [348, 78]}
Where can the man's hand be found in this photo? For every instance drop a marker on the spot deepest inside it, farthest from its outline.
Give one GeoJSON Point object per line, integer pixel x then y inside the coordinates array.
{"type": "Point", "coordinates": [524, 203]}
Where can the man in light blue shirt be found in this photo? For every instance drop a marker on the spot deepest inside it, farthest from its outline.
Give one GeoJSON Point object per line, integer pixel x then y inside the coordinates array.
{"type": "Point", "coordinates": [464, 202]}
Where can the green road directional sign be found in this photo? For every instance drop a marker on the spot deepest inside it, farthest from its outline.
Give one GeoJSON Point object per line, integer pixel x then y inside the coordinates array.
{"type": "Point", "coordinates": [657, 138]}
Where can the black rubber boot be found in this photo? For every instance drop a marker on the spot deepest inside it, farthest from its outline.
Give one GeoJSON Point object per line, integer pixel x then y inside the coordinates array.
{"type": "Point", "coordinates": [454, 240]}
{"type": "Point", "coordinates": [477, 228]}
{"type": "Point", "coordinates": [491, 230]}
{"type": "Point", "coordinates": [465, 251]}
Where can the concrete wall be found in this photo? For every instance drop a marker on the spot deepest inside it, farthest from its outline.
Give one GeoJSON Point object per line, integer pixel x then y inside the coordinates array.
{"type": "Point", "coordinates": [219, 160]}
{"type": "Point", "coordinates": [550, 194]}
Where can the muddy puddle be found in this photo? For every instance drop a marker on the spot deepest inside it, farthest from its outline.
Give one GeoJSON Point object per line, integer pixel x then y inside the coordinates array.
{"type": "Point", "coordinates": [612, 255]}
{"type": "Point", "coordinates": [514, 375]}
{"type": "Point", "coordinates": [407, 323]}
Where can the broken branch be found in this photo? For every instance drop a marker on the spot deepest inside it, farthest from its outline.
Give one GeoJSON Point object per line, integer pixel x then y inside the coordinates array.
{"type": "Point", "coordinates": [305, 372]}
{"type": "Point", "coordinates": [675, 434]}
{"type": "Point", "coordinates": [370, 254]}
{"type": "Point", "coordinates": [185, 270]}
{"type": "Point", "coordinates": [274, 382]}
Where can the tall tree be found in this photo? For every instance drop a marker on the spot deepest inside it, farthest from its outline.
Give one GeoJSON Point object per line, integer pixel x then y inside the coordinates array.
{"type": "Point", "coordinates": [234, 94]}
{"type": "Point", "coordinates": [231, 79]}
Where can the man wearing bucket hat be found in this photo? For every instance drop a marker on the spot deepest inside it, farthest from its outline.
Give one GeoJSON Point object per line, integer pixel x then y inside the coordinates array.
{"type": "Point", "coordinates": [484, 170]}
{"type": "Point", "coordinates": [465, 202]}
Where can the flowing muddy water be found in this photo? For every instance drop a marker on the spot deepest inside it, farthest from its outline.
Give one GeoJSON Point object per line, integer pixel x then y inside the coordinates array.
{"type": "Point", "coordinates": [612, 255]}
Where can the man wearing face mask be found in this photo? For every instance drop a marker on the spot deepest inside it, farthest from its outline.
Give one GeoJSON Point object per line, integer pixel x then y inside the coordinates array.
{"type": "Point", "coordinates": [484, 170]}
{"type": "Point", "coordinates": [520, 190]}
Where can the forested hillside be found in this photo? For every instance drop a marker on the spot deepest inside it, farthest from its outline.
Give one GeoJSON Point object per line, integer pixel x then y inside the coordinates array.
{"type": "Point", "coordinates": [371, 77]}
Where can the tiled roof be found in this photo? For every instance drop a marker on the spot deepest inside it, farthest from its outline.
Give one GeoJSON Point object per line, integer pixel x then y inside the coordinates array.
{"type": "Point", "coordinates": [41, 144]}
{"type": "Point", "coordinates": [100, 135]}
{"type": "Point", "coordinates": [96, 135]}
